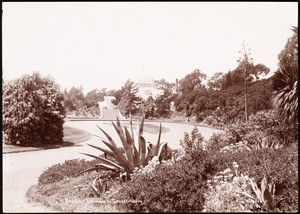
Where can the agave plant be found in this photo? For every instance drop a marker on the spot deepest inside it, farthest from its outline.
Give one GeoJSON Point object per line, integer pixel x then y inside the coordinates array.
{"type": "Point", "coordinates": [132, 157]}
{"type": "Point", "coordinates": [265, 194]}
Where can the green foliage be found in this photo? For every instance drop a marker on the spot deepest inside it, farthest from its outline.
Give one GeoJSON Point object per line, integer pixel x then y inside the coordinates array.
{"type": "Point", "coordinates": [227, 106]}
{"type": "Point", "coordinates": [68, 169]}
{"type": "Point", "coordinates": [279, 166]}
{"type": "Point", "coordinates": [32, 111]}
{"type": "Point", "coordinates": [217, 81]}
{"type": "Point", "coordinates": [223, 101]}
{"type": "Point", "coordinates": [129, 102]}
{"type": "Point", "coordinates": [148, 107]}
{"type": "Point", "coordinates": [175, 187]}
{"type": "Point", "coordinates": [285, 81]}
{"type": "Point", "coordinates": [263, 130]}
{"type": "Point", "coordinates": [163, 103]}
{"type": "Point", "coordinates": [188, 87]}
{"type": "Point", "coordinates": [269, 124]}
{"type": "Point", "coordinates": [229, 191]}
{"type": "Point", "coordinates": [192, 142]}
{"type": "Point", "coordinates": [74, 99]}
{"type": "Point", "coordinates": [264, 194]}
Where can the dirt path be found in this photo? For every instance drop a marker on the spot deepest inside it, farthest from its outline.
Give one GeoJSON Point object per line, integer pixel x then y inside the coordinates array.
{"type": "Point", "coordinates": [21, 170]}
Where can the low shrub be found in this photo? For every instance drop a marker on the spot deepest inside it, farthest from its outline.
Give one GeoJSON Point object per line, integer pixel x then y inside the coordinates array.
{"type": "Point", "coordinates": [229, 192]}
{"type": "Point", "coordinates": [279, 166]}
{"type": "Point", "coordinates": [70, 169]}
{"type": "Point", "coordinates": [174, 187]}
{"type": "Point", "coordinates": [192, 142]}
{"type": "Point", "coordinates": [265, 124]}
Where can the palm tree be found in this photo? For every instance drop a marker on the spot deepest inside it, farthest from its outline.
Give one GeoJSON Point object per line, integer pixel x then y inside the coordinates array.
{"type": "Point", "coordinates": [285, 80]}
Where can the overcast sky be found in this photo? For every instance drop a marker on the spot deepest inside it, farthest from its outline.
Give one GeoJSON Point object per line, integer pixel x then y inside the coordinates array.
{"type": "Point", "coordinates": [96, 45]}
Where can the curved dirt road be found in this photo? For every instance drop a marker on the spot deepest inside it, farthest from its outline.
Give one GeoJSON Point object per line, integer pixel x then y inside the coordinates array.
{"type": "Point", "coordinates": [21, 170]}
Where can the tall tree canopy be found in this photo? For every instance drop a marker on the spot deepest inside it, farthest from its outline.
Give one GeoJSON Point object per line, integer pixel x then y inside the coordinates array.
{"type": "Point", "coordinates": [129, 102]}
{"type": "Point", "coordinates": [285, 80]}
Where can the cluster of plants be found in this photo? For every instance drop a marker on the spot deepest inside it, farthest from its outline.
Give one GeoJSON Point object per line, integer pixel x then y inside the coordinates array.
{"type": "Point", "coordinates": [229, 191]}
{"type": "Point", "coordinates": [33, 111]}
{"type": "Point", "coordinates": [206, 180]}
{"type": "Point", "coordinates": [221, 101]}
{"type": "Point", "coordinates": [176, 187]}
{"type": "Point", "coordinates": [136, 153]}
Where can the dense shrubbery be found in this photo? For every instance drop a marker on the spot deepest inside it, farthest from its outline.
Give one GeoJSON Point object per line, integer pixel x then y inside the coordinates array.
{"type": "Point", "coordinates": [32, 111]}
{"type": "Point", "coordinates": [266, 125]}
{"type": "Point", "coordinates": [263, 127]}
{"type": "Point", "coordinates": [279, 166]}
{"type": "Point", "coordinates": [183, 186]}
{"type": "Point", "coordinates": [176, 187]}
{"type": "Point", "coordinates": [229, 191]}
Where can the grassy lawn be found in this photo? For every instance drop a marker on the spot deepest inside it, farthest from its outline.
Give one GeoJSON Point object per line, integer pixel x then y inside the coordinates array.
{"type": "Point", "coordinates": [71, 136]}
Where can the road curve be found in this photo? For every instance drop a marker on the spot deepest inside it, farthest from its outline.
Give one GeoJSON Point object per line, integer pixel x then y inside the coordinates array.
{"type": "Point", "coordinates": [21, 170]}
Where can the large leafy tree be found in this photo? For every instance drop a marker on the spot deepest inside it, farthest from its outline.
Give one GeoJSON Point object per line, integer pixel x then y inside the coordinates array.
{"type": "Point", "coordinates": [163, 84]}
{"type": "Point", "coordinates": [74, 99]}
{"type": "Point", "coordinates": [252, 71]}
{"type": "Point", "coordinates": [188, 88]}
{"type": "Point", "coordinates": [130, 102]}
{"type": "Point", "coordinates": [217, 81]}
{"type": "Point", "coordinates": [94, 96]}
{"type": "Point", "coordinates": [285, 80]}
{"type": "Point", "coordinates": [32, 111]}
{"type": "Point", "coordinates": [148, 107]}
{"type": "Point", "coordinates": [192, 81]}
{"type": "Point", "coordinates": [163, 103]}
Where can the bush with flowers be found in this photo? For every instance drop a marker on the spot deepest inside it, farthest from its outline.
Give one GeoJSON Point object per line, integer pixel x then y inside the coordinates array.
{"type": "Point", "coordinates": [279, 166]}
{"type": "Point", "coordinates": [229, 191]}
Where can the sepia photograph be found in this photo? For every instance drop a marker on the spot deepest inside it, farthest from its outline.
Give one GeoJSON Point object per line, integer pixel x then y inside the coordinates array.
{"type": "Point", "coordinates": [149, 107]}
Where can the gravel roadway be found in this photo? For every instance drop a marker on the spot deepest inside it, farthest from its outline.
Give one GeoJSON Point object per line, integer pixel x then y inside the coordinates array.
{"type": "Point", "coordinates": [21, 170]}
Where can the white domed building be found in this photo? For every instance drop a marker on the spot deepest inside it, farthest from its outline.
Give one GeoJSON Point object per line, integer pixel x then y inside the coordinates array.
{"type": "Point", "coordinates": [147, 87]}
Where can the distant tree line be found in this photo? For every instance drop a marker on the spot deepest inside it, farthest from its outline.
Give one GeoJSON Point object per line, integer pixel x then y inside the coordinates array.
{"type": "Point", "coordinates": [34, 107]}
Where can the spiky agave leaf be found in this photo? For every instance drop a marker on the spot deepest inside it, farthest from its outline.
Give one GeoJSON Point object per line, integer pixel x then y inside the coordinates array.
{"type": "Point", "coordinates": [100, 167]}
{"type": "Point", "coordinates": [158, 141]}
{"type": "Point", "coordinates": [108, 137]}
{"type": "Point", "coordinates": [142, 126]}
{"type": "Point", "coordinates": [105, 161]}
{"type": "Point", "coordinates": [256, 190]}
{"type": "Point", "coordinates": [119, 130]}
{"type": "Point", "coordinates": [140, 130]}
{"type": "Point", "coordinates": [110, 153]}
{"type": "Point", "coordinates": [119, 156]}
{"type": "Point", "coordinates": [266, 195]}
{"type": "Point", "coordinates": [161, 149]}
{"type": "Point", "coordinates": [129, 150]}
{"type": "Point", "coordinates": [136, 157]}
{"type": "Point", "coordinates": [142, 150]}
{"type": "Point", "coordinates": [131, 128]}
{"type": "Point", "coordinates": [148, 155]}
{"type": "Point", "coordinates": [129, 138]}
{"type": "Point", "coordinates": [126, 146]}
